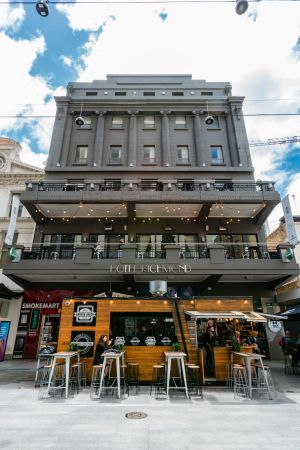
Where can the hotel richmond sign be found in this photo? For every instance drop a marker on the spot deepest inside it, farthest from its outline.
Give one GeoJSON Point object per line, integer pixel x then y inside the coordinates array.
{"type": "Point", "coordinates": [150, 268]}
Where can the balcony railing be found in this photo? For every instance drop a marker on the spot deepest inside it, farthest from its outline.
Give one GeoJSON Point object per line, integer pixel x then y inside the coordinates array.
{"type": "Point", "coordinates": [145, 185]}
{"type": "Point", "coordinates": [229, 251]}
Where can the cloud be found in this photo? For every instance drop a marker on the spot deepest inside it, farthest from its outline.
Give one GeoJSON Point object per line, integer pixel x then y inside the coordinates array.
{"type": "Point", "coordinates": [67, 60]}
{"type": "Point", "coordinates": [11, 19]}
{"type": "Point", "coordinates": [29, 157]}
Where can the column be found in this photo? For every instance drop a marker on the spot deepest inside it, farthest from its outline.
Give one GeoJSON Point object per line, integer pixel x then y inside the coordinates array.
{"type": "Point", "coordinates": [232, 139]}
{"type": "Point", "coordinates": [57, 136]}
{"type": "Point", "coordinates": [132, 142]}
{"type": "Point", "coordinates": [66, 142]}
{"type": "Point", "coordinates": [199, 137]}
{"type": "Point", "coordinates": [165, 139]}
{"type": "Point", "coordinates": [99, 140]}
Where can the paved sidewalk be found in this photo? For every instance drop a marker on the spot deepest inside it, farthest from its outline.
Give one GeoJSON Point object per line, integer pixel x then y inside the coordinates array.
{"type": "Point", "coordinates": [214, 423]}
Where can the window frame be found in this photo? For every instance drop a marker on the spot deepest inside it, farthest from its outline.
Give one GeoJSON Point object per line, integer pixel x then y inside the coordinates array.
{"type": "Point", "coordinates": [215, 125]}
{"type": "Point", "coordinates": [150, 126]}
{"type": "Point", "coordinates": [217, 161]}
{"type": "Point", "coordinates": [115, 161]}
{"type": "Point", "coordinates": [149, 160]}
{"type": "Point", "coordinates": [78, 160]}
{"type": "Point", "coordinates": [117, 126]}
{"type": "Point", "coordinates": [86, 126]}
{"type": "Point", "coordinates": [183, 160]}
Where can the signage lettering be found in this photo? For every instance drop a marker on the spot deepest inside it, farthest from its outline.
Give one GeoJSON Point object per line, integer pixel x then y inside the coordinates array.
{"type": "Point", "coordinates": [41, 305]}
{"type": "Point", "coordinates": [150, 268]}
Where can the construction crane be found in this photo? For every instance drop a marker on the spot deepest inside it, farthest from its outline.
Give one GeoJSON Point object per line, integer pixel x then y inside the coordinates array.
{"type": "Point", "coordinates": [276, 141]}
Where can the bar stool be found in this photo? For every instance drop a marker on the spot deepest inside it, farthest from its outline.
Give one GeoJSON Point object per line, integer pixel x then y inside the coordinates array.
{"type": "Point", "coordinates": [158, 379]}
{"type": "Point", "coordinates": [75, 378]}
{"type": "Point", "coordinates": [194, 380]}
{"type": "Point", "coordinates": [57, 383]}
{"type": "Point", "coordinates": [240, 382]}
{"type": "Point", "coordinates": [95, 381]}
{"type": "Point", "coordinates": [132, 378]}
{"type": "Point", "coordinates": [288, 368]}
{"type": "Point", "coordinates": [265, 384]}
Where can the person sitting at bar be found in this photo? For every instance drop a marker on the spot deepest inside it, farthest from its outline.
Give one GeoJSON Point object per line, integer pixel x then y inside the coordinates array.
{"type": "Point", "coordinates": [102, 346]}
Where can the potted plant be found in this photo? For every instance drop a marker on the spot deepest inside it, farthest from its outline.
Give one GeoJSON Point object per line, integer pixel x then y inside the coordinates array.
{"type": "Point", "coordinates": [176, 347]}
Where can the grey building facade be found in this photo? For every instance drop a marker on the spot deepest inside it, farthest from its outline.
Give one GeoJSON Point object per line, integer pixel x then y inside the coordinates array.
{"type": "Point", "coordinates": [146, 189]}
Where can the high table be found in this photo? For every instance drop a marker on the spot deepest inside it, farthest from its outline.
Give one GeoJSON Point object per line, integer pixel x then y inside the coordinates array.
{"type": "Point", "coordinates": [67, 357]}
{"type": "Point", "coordinates": [248, 357]}
{"type": "Point", "coordinates": [179, 357]}
{"type": "Point", "coordinates": [115, 357]}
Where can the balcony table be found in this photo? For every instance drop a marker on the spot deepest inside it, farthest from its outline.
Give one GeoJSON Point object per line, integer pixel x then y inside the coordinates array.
{"type": "Point", "coordinates": [179, 357]}
{"type": "Point", "coordinates": [115, 357]}
{"type": "Point", "coordinates": [67, 356]}
{"type": "Point", "coordinates": [248, 357]}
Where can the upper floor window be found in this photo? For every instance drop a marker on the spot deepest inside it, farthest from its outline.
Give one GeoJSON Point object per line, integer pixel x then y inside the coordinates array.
{"type": "Point", "coordinates": [177, 94]}
{"type": "Point", "coordinates": [149, 94]}
{"type": "Point", "coordinates": [183, 154]}
{"type": "Point", "coordinates": [120, 94]}
{"type": "Point", "coordinates": [180, 122]}
{"type": "Point", "coordinates": [215, 123]}
{"type": "Point", "coordinates": [210, 94]}
{"type": "Point", "coordinates": [91, 93]}
{"type": "Point", "coordinates": [149, 154]}
{"type": "Point", "coordinates": [81, 154]}
{"type": "Point", "coordinates": [216, 154]}
{"type": "Point", "coordinates": [149, 122]}
{"type": "Point", "coordinates": [115, 154]}
{"type": "Point", "coordinates": [117, 122]}
{"type": "Point", "coordinates": [87, 124]}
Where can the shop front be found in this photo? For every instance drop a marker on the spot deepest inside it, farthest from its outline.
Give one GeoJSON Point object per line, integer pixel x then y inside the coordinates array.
{"type": "Point", "coordinates": [206, 329]}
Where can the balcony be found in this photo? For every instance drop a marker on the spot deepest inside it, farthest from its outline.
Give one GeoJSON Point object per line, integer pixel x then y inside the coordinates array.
{"type": "Point", "coordinates": [86, 263]}
{"type": "Point", "coordinates": [206, 191]}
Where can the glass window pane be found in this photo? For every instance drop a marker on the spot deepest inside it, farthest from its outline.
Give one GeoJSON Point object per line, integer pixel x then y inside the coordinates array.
{"type": "Point", "coordinates": [180, 120]}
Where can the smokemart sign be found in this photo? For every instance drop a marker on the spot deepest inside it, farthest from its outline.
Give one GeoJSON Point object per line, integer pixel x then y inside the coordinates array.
{"type": "Point", "coordinates": [150, 268]}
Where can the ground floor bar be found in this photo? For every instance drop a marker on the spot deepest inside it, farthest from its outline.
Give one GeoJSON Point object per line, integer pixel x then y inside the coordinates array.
{"type": "Point", "coordinates": [147, 328]}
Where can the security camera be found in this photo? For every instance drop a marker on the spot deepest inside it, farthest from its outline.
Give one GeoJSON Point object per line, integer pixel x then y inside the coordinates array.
{"type": "Point", "coordinates": [209, 120]}
{"type": "Point", "coordinates": [79, 121]}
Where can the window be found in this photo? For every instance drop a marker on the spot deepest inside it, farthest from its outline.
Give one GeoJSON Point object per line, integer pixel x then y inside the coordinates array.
{"type": "Point", "coordinates": [149, 154]}
{"type": "Point", "coordinates": [186, 185]}
{"type": "Point", "coordinates": [215, 123]}
{"type": "Point", "coordinates": [180, 121]}
{"type": "Point", "coordinates": [183, 154]}
{"type": "Point", "coordinates": [177, 94]}
{"type": "Point", "coordinates": [148, 94]}
{"type": "Point", "coordinates": [81, 154]}
{"type": "Point", "coordinates": [149, 122]}
{"type": "Point", "coordinates": [91, 94]}
{"type": "Point", "coordinates": [143, 329]}
{"type": "Point", "coordinates": [115, 154]}
{"type": "Point", "coordinates": [111, 185]}
{"type": "Point", "coordinates": [117, 122]}
{"type": "Point", "coordinates": [216, 155]}
{"type": "Point", "coordinates": [210, 94]}
{"type": "Point", "coordinates": [120, 94]}
{"type": "Point", "coordinates": [87, 124]}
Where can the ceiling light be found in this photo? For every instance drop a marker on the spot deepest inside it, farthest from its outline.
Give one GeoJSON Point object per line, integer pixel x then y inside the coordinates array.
{"type": "Point", "coordinates": [80, 120]}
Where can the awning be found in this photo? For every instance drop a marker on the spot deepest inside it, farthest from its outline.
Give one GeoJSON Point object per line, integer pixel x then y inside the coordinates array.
{"type": "Point", "coordinates": [290, 312]}
{"type": "Point", "coordinates": [8, 288]}
{"type": "Point", "coordinates": [248, 316]}
{"type": "Point", "coordinates": [273, 316]}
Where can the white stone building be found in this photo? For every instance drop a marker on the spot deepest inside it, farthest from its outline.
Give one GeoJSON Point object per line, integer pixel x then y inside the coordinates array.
{"type": "Point", "coordinates": [13, 176]}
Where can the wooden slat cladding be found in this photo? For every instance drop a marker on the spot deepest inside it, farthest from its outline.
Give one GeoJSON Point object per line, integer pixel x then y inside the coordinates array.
{"type": "Point", "coordinates": [145, 356]}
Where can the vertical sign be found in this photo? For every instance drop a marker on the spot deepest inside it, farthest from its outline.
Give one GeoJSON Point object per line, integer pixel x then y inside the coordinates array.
{"type": "Point", "coordinates": [289, 221]}
{"type": "Point", "coordinates": [4, 330]}
{"type": "Point", "coordinates": [13, 219]}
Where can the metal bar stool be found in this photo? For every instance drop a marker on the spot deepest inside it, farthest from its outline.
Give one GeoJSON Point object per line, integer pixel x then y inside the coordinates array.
{"type": "Point", "coordinates": [158, 380]}
{"type": "Point", "coordinates": [75, 378]}
{"type": "Point", "coordinates": [194, 380]}
{"type": "Point", "coordinates": [265, 384]}
{"type": "Point", "coordinates": [132, 378]}
{"type": "Point", "coordinates": [240, 382]}
{"type": "Point", "coordinates": [57, 382]}
{"type": "Point", "coordinates": [95, 381]}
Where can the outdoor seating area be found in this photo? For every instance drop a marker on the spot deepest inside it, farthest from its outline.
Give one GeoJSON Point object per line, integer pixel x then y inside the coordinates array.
{"type": "Point", "coordinates": [63, 375]}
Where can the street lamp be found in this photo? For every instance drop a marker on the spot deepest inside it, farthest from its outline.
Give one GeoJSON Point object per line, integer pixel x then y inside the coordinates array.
{"type": "Point", "coordinates": [42, 8]}
{"type": "Point", "coordinates": [241, 6]}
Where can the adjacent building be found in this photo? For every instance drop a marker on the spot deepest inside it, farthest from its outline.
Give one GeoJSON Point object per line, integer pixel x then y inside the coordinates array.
{"type": "Point", "coordinates": [150, 178]}
{"type": "Point", "coordinates": [14, 174]}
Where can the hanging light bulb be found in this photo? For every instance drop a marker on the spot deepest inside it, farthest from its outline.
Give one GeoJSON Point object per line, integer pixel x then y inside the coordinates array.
{"type": "Point", "coordinates": [241, 7]}
{"type": "Point", "coordinates": [42, 8]}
